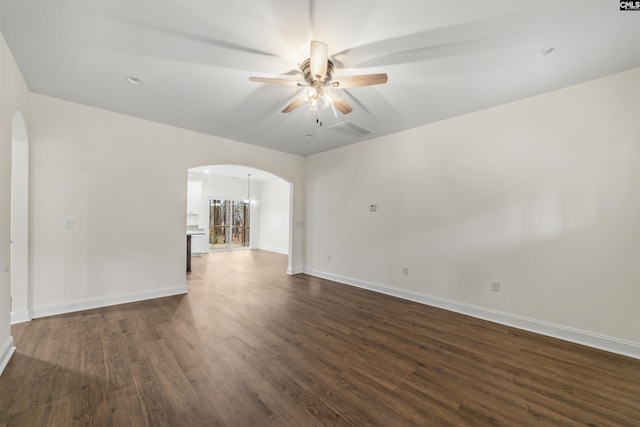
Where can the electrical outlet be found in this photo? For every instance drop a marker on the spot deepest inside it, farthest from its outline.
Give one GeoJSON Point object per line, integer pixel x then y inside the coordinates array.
{"type": "Point", "coordinates": [329, 258]}
{"type": "Point", "coordinates": [495, 286]}
{"type": "Point", "coordinates": [68, 223]}
{"type": "Point", "coordinates": [405, 271]}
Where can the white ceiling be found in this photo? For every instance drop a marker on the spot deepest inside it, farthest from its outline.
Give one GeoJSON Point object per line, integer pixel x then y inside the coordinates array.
{"type": "Point", "coordinates": [444, 58]}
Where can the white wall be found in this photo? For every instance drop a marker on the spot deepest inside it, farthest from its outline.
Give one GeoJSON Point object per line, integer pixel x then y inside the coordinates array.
{"type": "Point", "coordinates": [123, 181]}
{"type": "Point", "coordinates": [19, 220]}
{"type": "Point", "coordinates": [542, 195]}
{"type": "Point", "coordinates": [13, 97]}
{"type": "Point", "coordinates": [273, 226]}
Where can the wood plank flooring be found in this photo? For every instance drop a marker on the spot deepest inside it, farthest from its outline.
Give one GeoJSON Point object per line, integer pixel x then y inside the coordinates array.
{"type": "Point", "coordinates": [251, 346]}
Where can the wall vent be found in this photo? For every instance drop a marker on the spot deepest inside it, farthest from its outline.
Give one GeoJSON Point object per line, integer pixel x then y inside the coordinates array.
{"type": "Point", "coordinates": [351, 129]}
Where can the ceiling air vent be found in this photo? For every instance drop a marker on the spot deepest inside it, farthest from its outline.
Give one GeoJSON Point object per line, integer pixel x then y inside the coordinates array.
{"type": "Point", "coordinates": [351, 129]}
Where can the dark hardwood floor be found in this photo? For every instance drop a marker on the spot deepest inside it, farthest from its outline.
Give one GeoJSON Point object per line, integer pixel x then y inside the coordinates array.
{"type": "Point", "coordinates": [251, 346]}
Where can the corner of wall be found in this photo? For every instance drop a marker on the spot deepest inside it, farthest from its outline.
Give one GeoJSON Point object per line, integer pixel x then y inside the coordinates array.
{"type": "Point", "coordinates": [6, 351]}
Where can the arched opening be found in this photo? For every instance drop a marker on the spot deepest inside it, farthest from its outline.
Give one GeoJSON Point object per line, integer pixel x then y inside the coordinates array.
{"type": "Point", "coordinates": [257, 200]}
{"type": "Point", "coordinates": [19, 220]}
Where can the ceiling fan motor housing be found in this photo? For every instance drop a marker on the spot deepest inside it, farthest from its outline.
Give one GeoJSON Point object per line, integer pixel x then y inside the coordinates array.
{"type": "Point", "coordinates": [310, 78]}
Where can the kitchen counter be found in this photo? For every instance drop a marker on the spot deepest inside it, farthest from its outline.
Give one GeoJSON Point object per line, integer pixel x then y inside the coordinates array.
{"type": "Point", "coordinates": [192, 232]}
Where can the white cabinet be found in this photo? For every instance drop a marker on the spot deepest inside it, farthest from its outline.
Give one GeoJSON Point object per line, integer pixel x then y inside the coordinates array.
{"type": "Point", "coordinates": [194, 197]}
{"type": "Point", "coordinates": [198, 244]}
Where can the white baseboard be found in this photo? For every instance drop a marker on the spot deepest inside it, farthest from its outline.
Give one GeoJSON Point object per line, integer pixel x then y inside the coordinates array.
{"type": "Point", "coordinates": [297, 270]}
{"type": "Point", "coordinates": [278, 251]}
{"type": "Point", "coordinates": [91, 303]}
{"type": "Point", "coordinates": [6, 351]}
{"type": "Point", "coordinates": [613, 345]}
{"type": "Point", "coordinates": [20, 317]}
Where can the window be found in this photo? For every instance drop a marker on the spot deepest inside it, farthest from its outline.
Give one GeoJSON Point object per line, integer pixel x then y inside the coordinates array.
{"type": "Point", "coordinates": [229, 224]}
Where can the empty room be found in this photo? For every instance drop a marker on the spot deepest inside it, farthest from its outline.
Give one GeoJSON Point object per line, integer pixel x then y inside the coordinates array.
{"type": "Point", "coordinates": [318, 212]}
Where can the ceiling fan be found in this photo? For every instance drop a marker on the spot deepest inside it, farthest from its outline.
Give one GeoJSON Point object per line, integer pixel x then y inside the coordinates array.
{"type": "Point", "coordinates": [317, 71]}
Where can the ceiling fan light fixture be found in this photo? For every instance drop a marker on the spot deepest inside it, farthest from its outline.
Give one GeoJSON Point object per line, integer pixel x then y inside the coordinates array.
{"type": "Point", "coordinates": [312, 92]}
{"type": "Point", "coordinates": [317, 72]}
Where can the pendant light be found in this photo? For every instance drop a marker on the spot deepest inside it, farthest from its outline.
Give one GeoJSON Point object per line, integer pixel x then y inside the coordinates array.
{"type": "Point", "coordinates": [248, 199]}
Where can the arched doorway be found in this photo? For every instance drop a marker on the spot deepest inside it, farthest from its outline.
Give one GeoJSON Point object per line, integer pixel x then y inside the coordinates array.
{"type": "Point", "coordinates": [19, 220]}
{"type": "Point", "coordinates": [271, 206]}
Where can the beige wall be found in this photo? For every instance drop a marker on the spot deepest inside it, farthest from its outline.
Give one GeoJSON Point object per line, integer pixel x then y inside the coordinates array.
{"type": "Point", "coordinates": [13, 98]}
{"type": "Point", "coordinates": [123, 181]}
{"type": "Point", "coordinates": [541, 194]}
{"type": "Point", "coordinates": [273, 210]}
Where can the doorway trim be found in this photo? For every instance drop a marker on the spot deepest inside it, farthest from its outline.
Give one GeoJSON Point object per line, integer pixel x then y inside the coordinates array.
{"type": "Point", "coordinates": [290, 207]}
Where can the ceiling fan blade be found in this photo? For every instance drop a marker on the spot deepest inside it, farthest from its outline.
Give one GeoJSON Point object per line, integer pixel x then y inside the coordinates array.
{"type": "Point", "coordinates": [269, 80]}
{"type": "Point", "coordinates": [295, 104]}
{"type": "Point", "coordinates": [318, 59]}
{"type": "Point", "coordinates": [468, 37]}
{"type": "Point", "coordinates": [340, 104]}
{"type": "Point", "coordinates": [358, 81]}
